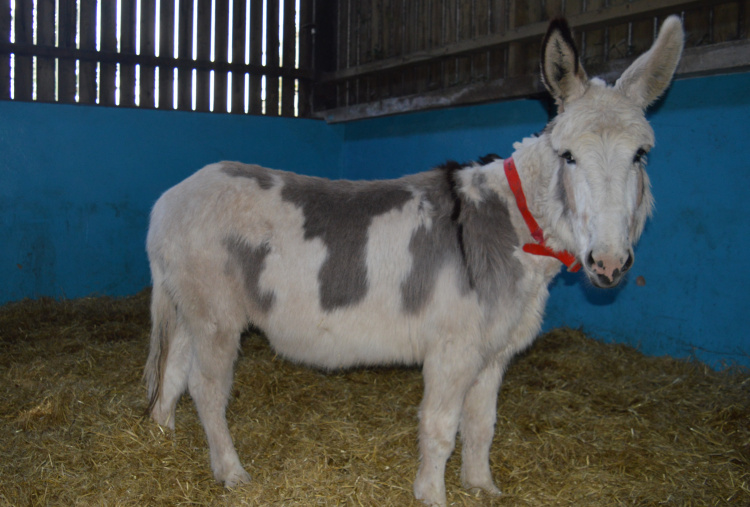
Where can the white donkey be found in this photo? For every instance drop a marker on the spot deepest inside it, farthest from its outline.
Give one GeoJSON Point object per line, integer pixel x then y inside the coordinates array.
{"type": "Point", "coordinates": [447, 268]}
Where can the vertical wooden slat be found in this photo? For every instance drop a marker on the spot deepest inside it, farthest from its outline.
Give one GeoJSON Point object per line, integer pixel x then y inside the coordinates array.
{"type": "Point", "coordinates": [220, 55]}
{"type": "Point", "coordinates": [239, 36]}
{"type": "Point", "coordinates": [166, 50]}
{"type": "Point", "coordinates": [497, 21]}
{"type": "Point", "coordinates": [726, 26]}
{"type": "Point", "coordinates": [272, 56]}
{"type": "Point", "coordinates": [697, 27]}
{"type": "Point", "coordinates": [66, 67]}
{"type": "Point", "coordinates": [87, 86]}
{"type": "Point", "coordinates": [128, 20]}
{"type": "Point", "coordinates": [376, 82]}
{"type": "Point", "coordinates": [450, 34]}
{"type": "Point", "coordinates": [523, 57]}
{"type": "Point", "coordinates": [203, 76]}
{"type": "Point", "coordinates": [305, 56]}
{"type": "Point", "coordinates": [108, 71]}
{"type": "Point", "coordinates": [256, 55]}
{"type": "Point", "coordinates": [481, 29]}
{"type": "Point", "coordinates": [619, 41]}
{"type": "Point", "coordinates": [148, 48]}
{"type": "Point", "coordinates": [594, 50]}
{"type": "Point", "coordinates": [465, 22]}
{"type": "Point", "coordinates": [641, 36]}
{"type": "Point", "coordinates": [365, 45]}
{"type": "Point", "coordinates": [5, 21]}
{"type": "Point", "coordinates": [396, 39]}
{"type": "Point", "coordinates": [45, 67]}
{"type": "Point", "coordinates": [23, 83]}
{"type": "Point", "coordinates": [289, 55]}
{"type": "Point", "coordinates": [185, 54]}
{"type": "Point", "coordinates": [343, 27]}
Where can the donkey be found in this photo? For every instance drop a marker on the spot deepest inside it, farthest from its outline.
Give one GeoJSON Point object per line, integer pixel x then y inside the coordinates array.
{"type": "Point", "coordinates": [448, 268]}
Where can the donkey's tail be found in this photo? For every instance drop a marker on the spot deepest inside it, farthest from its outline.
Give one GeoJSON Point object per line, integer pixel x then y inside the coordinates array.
{"type": "Point", "coordinates": [163, 323]}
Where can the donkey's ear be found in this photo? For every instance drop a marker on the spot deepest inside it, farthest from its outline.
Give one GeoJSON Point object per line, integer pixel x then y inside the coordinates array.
{"type": "Point", "coordinates": [647, 77]}
{"type": "Point", "coordinates": [562, 72]}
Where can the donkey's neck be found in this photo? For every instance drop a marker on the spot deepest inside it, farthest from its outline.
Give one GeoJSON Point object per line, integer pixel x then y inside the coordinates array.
{"type": "Point", "coordinates": [537, 166]}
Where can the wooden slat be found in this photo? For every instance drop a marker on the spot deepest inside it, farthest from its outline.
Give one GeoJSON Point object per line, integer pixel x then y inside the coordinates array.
{"type": "Point", "coordinates": [221, 42]}
{"type": "Point", "coordinates": [725, 22]}
{"type": "Point", "coordinates": [343, 45]}
{"type": "Point", "coordinates": [5, 20]}
{"type": "Point", "coordinates": [305, 56]}
{"type": "Point", "coordinates": [127, 46]}
{"type": "Point", "coordinates": [87, 86]}
{"type": "Point", "coordinates": [203, 76]}
{"type": "Point", "coordinates": [107, 84]}
{"type": "Point", "coordinates": [697, 31]}
{"type": "Point", "coordinates": [465, 14]}
{"type": "Point", "coordinates": [289, 54]}
{"type": "Point", "coordinates": [66, 86]}
{"type": "Point", "coordinates": [185, 52]}
{"type": "Point", "coordinates": [45, 67]}
{"type": "Point", "coordinates": [450, 36]}
{"type": "Point", "coordinates": [496, 57]}
{"type": "Point", "coordinates": [256, 55]}
{"type": "Point", "coordinates": [239, 36]}
{"type": "Point", "coordinates": [641, 36]}
{"type": "Point", "coordinates": [166, 50]}
{"type": "Point", "coordinates": [22, 82]}
{"type": "Point", "coordinates": [148, 47]}
{"type": "Point", "coordinates": [272, 56]}
{"type": "Point", "coordinates": [481, 29]}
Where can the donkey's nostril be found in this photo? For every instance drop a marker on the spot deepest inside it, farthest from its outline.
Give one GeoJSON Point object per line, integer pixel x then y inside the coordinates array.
{"type": "Point", "coordinates": [628, 263]}
{"type": "Point", "coordinates": [590, 260]}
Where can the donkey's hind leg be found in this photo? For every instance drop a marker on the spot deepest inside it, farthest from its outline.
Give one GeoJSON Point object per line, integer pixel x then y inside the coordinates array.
{"type": "Point", "coordinates": [209, 382]}
{"type": "Point", "coordinates": [175, 377]}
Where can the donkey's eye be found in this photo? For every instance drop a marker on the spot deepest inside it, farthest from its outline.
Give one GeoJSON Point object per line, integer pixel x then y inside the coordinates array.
{"type": "Point", "coordinates": [640, 156]}
{"type": "Point", "coordinates": [568, 158]}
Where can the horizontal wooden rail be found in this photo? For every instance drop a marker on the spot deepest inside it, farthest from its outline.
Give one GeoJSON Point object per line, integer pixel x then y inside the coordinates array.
{"type": "Point", "coordinates": [154, 61]}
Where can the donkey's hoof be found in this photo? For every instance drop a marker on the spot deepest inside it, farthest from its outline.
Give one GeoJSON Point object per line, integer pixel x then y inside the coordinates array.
{"type": "Point", "coordinates": [488, 489]}
{"type": "Point", "coordinates": [236, 478]}
{"type": "Point", "coordinates": [432, 496]}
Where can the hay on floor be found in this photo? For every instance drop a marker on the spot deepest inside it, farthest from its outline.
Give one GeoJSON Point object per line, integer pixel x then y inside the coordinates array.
{"type": "Point", "coordinates": [579, 423]}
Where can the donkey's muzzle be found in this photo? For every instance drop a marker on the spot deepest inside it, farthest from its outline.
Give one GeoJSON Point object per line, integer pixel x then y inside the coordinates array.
{"type": "Point", "coordinates": [606, 270]}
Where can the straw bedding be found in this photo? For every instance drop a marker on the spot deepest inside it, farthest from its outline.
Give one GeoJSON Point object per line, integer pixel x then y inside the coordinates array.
{"type": "Point", "coordinates": [580, 423]}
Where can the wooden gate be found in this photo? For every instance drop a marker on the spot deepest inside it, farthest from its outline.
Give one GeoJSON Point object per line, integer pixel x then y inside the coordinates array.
{"type": "Point", "coordinates": [239, 56]}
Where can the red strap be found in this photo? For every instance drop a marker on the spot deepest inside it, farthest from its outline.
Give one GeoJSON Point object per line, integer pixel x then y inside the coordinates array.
{"type": "Point", "coordinates": [538, 248]}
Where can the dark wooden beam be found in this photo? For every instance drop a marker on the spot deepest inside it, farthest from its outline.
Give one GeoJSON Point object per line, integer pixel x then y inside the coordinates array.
{"type": "Point", "coordinates": [729, 57]}
{"type": "Point", "coordinates": [591, 20]}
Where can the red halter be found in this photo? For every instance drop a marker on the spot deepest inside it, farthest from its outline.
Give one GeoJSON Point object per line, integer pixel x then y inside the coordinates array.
{"type": "Point", "coordinates": [538, 248]}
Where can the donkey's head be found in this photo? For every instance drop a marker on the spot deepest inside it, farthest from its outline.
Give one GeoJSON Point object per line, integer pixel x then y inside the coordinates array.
{"type": "Point", "coordinates": [600, 139]}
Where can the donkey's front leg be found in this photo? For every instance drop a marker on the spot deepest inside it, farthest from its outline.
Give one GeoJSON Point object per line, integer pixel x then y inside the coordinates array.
{"type": "Point", "coordinates": [447, 377]}
{"type": "Point", "coordinates": [478, 428]}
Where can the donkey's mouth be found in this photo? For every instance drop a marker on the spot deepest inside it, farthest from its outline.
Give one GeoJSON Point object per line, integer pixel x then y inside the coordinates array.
{"type": "Point", "coordinates": [604, 282]}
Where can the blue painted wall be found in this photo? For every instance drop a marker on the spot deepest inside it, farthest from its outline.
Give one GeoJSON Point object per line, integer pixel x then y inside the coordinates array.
{"type": "Point", "coordinates": [77, 184]}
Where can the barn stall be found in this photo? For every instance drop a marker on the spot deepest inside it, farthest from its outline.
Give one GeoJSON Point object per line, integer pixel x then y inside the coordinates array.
{"type": "Point", "coordinates": [101, 112]}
